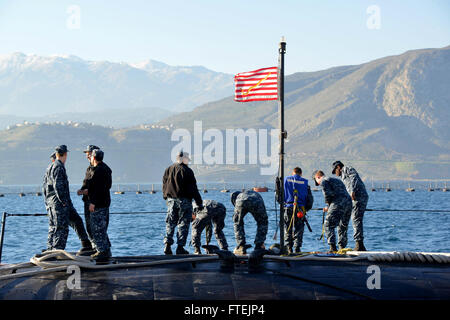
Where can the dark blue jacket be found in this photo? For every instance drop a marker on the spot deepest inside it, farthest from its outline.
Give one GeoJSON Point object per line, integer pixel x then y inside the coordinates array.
{"type": "Point", "coordinates": [292, 183]}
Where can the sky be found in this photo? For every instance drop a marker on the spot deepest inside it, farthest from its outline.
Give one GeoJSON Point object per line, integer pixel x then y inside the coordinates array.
{"type": "Point", "coordinates": [228, 36]}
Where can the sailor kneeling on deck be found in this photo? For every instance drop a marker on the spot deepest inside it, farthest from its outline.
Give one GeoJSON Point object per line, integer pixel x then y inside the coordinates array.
{"type": "Point", "coordinates": [213, 213]}
{"type": "Point", "coordinates": [245, 202]}
{"type": "Point", "coordinates": [339, 208]}
{"type": "Point", "coordinates": [179, 188]}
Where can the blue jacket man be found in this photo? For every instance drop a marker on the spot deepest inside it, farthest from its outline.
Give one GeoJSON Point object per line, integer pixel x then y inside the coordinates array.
{"type": "Point", "coordinates": [294, 226]}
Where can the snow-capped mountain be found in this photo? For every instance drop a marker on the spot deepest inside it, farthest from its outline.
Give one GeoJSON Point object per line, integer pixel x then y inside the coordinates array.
{"type": "Point", "coordinates": [32, 85]}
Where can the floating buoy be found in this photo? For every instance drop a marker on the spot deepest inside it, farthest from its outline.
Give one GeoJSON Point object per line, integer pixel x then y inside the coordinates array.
{"type": "Point", "coordinates": [118, 191]}
{"type": "Point", "coordinates": [224, 190]}
{"type": "Point", "coordinates": [260, 189]}
{"type": "Point", "coordinates": [21, 194]}
{"type": "Point", "coordinates": [1, 195]}
{"type": "Point", "coordinates": [38, 194]}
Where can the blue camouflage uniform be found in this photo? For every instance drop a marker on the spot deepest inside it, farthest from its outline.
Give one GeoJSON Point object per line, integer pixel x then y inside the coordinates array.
{"type": "Point", "coordinates": [179, 188]}
{"type": "Point", "coordinates": [339, 210]}
{"type": "Point", "coordinates": [179, 214]}
{"type": "Point", "coordinates": [213, 213]}
{"type": "Point", "coordinates": [245, 202]}
{"type": "Point", "coordinates": [60, 209]}
{"type": "Point", "coordinates": [294, 236]}
{"type": "Point", "coordinates": [353, 183]}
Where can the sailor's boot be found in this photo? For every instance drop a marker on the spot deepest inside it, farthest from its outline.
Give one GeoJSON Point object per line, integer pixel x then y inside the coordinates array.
{"type": "Point", "coordinates": [101, 256]}
{"type": "Point", "coordinates": [241, 250]}
{"type": "Point", "coordinates": [181, 250]}
{"type": "Point", "coordinates": [197, 250]}
{"type": "Point", "coordinates": [86, 249]}
{"type": "Point", "coordinates": [259, 246]}
{"type": "Point", "coordinates": [167, 249]}
{"type": "Point", "coordinates": [297, 249]}
{"type": "Point", "coordinates": [359, 246]}
{"type": "Point", "coordinates": [333, 248]}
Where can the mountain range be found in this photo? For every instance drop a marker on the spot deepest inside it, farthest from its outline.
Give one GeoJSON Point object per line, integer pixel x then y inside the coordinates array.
{"type": "Point", "coordinates": [62, 87]}
{"type": "Point", "coordinates": [388, 118]}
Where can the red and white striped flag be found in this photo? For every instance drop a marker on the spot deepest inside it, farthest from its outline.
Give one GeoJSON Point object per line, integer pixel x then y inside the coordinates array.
{"type": "Point", "coordinates": [258, 85]}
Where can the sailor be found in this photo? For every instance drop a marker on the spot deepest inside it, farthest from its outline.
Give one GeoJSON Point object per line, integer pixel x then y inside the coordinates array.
{"type": "Point", "coordinates": [59, 206]}
{"type": "Point", "coordinates": [357, 190]}
{"type": "Point", "coordinates": [83, 191]}
{"type": "Point", "coordinates": [339, 207]}
{"type": "Point", "coordinates": [294, 223]}
{"type": "Point", "coordinates": [245, 202]}
{"type": "Point", "coordinates": [213, 213]}
{"type": "Point", "coordinates": [99, 198]}
{"type": "Point", "coordinates": [179, 188]}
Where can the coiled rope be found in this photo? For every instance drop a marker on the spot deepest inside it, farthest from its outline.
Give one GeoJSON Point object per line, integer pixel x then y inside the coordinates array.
{"type": "Point", "coordinates": [61, 260]}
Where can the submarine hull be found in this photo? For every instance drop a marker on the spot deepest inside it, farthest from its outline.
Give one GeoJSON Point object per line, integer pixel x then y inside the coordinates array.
{"type": "Point", "coordinates": [272, 280]}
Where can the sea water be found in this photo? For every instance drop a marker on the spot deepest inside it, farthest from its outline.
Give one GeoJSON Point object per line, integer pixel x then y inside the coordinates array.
{"type": "Point", "coordinates": [142, 234]}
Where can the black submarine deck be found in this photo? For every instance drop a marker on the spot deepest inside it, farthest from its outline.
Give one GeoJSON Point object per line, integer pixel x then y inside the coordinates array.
{"type": "Point", "coordinates": [273, 279]}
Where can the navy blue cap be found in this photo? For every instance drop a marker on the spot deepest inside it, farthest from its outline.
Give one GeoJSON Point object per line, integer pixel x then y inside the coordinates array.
{"type": "Point", "coordinates": [98, 154]}
{"type": "Point", "coordinates": [61, 149]}
{"type": "Point", "coordinates": [90, 148]}
{"type": "Point", "coordinates": [234, 195]}
{"type": "Point", "coordinates": [335, 164]}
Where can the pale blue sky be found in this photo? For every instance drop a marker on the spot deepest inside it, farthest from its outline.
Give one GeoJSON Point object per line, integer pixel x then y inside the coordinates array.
{"type": "Point", "coordinates": [229, 36]}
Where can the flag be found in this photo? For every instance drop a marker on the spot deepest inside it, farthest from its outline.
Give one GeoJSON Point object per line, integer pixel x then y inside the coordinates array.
{"type": "Point", "coordinates": [258, 85]}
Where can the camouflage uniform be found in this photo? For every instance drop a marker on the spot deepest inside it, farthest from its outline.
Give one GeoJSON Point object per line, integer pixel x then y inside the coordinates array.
{"type": "Point", "coordinates": [99, 226]}
{"type": "Point", "coordinates": [60, 209]}
{"type": "Point", "coordinates": [339, 210]}
{"type": "Point", "coordinates": [179, 214]}
{"type": "Point", "coordinates": [353, 183]}
{"type": "Point", "coordinates": [250, 201]}
{"type": "Point", "coordinates": [212, 213]}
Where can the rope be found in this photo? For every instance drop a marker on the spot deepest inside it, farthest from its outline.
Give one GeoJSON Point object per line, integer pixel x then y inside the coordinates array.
{"type": "Point", "coordinates": [65, 259]}
{"type": "Point", "coordinates": [276, 210]}
{"type": "Point", "coordinates": [349, 255]}
{"type": "Point", "coordinates": [87, 263]}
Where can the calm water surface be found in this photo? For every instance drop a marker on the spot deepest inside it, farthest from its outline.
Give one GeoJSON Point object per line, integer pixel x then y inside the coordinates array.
{"type": "Point", "coordinates": [142, 234]}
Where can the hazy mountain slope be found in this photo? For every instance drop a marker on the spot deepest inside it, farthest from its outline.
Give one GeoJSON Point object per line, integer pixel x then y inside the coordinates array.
{"type": "Point", "coordinates": [393, 109]}
{"type": "Point", "coordinates": [134, 154]}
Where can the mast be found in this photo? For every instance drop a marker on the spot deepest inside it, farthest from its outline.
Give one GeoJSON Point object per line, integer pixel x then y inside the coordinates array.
{"type": "Point", "coordinates": [283, 134]}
